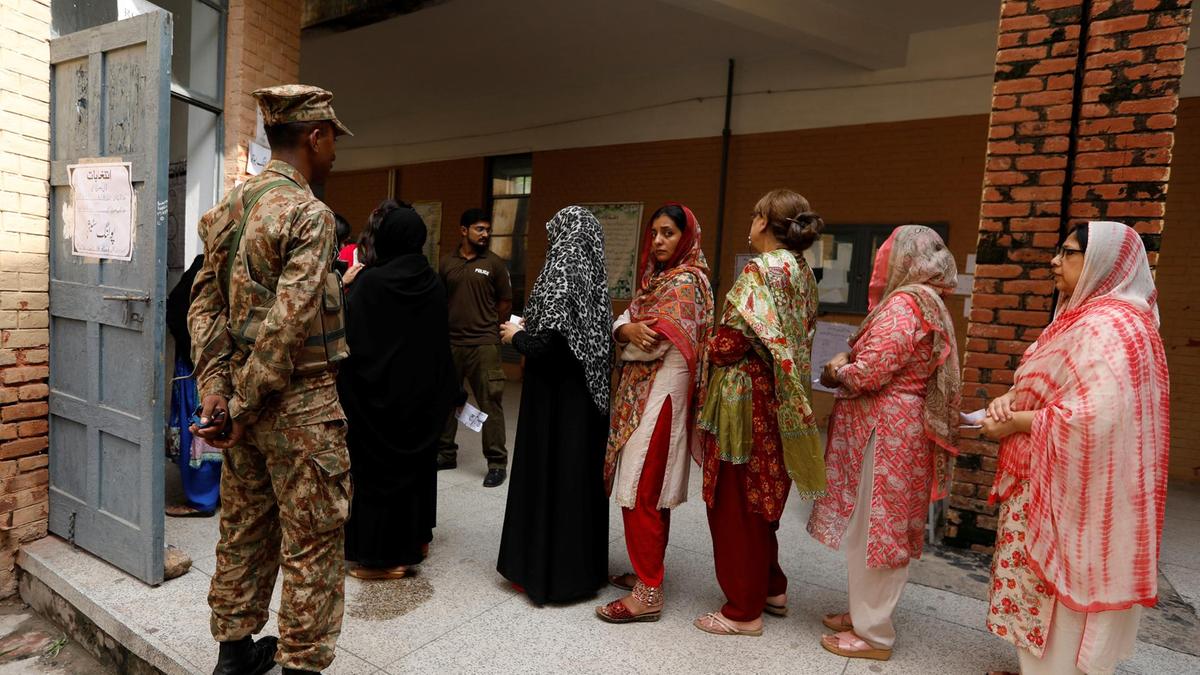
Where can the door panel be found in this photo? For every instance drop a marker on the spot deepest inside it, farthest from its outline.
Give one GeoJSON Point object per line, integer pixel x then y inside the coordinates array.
{"type": "Point", "coordinates": [110, 87]}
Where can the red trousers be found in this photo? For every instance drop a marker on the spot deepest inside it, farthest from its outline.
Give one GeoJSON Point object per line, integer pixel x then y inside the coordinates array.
{"type": "Point", "coordinates": [745, 549]}
{"type": "Point", "coordinates": [646, 525]}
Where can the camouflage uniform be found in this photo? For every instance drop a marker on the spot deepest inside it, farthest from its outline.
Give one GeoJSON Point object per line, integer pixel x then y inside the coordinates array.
{"type": "Point", "coordinates": [285, 489]}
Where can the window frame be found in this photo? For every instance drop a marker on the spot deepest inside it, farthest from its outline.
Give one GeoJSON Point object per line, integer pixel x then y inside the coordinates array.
{"type": "Point", "coordinates": [862, 261]}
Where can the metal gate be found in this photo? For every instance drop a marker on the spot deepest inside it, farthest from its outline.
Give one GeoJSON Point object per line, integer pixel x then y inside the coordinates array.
{"type": "Point", "coordinates": [110, 89]}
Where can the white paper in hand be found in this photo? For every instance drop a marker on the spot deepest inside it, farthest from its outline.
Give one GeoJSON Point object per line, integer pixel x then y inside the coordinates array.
{"type": "Point", "coordinates": [514, 319]}
{"type": "Point", "coordinates": [972, 420]}
{"type": "Point", "coordinates": [472, 417]}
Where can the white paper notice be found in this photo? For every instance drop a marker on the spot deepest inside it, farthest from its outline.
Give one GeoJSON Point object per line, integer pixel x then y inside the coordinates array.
{"type": "Point", "coordinates": [972, 420]}
{"type": "Point", "coordinates": [257, 158]}
{"type": "Point", "coordinates": [970, 263]}
{"type": "Point", "coordinates": [831, 340]}
{"type": "Point", "coordinates": [472, 417]}
{"type": "Point", "coordinates": [102, 204]}
{"type": "Point", "coordinates": [966, 284]}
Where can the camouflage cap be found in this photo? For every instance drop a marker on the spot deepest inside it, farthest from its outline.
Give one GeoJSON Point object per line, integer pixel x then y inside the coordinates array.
{"type": "Point", "coordinates": [297, 103]}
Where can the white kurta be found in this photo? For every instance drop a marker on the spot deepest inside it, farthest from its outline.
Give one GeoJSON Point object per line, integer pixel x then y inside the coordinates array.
{"type": "Point", "coordinates": [672, 380]}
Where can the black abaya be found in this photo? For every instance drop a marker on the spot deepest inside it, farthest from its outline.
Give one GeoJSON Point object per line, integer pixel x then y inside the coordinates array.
{"type": "Point", "coordinates": [555, 539]}
{"type": "Point", "coordinates": [397, 388]}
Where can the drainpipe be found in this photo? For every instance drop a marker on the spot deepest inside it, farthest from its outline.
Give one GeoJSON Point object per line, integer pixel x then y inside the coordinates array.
{"type": "Point", "coordinates": [1064, 209]}
{"type": "Point", "coordinates": [716, 280]}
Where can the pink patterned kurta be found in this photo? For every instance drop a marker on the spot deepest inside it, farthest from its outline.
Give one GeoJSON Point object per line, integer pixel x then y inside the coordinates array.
{"type": "Point", "coordinates": [883, 392]}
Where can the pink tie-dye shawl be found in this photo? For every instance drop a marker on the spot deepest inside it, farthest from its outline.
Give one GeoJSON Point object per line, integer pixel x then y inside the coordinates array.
{"type": "Point", "coordinates": [1096, 456]}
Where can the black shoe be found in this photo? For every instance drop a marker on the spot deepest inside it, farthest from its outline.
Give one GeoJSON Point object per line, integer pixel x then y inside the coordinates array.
{"type": "Point", "coordinates": [444, 463]}
{"type": "Point", "coordinates": [246, 657]}
{"type": "Point", "coordinates": [495, 477]}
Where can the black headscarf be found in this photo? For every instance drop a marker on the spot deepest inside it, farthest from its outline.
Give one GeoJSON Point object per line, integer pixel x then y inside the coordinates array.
{"type": "Point", "coordinates": [399, 384]}
{"type": "Point", "coordinates": [178, 302]}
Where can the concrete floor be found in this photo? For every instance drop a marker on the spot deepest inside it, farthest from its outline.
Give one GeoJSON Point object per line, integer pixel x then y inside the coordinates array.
{"type": "Point", "coordinates": [458, 614]}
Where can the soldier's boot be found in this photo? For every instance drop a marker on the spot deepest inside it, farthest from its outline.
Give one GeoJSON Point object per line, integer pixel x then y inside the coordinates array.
{"type": "Point", "coordinates": [246, 657]}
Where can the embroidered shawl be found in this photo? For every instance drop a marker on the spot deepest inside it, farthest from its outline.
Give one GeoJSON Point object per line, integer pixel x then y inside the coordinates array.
{"type": "Point", "coordinates": [678, 298]}
{"type": "Point", "coordinates": [915, 261]}
{"type": "Point", "coordinates": [1096, 456]}
{"type": "Point", "coordinates": [775, 296]}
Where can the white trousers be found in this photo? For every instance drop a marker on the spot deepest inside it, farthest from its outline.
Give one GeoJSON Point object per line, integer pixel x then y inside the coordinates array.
{"type": "Point", "coordinates": [874, 592]}
{"type": "Point", "coordinates": [1097, 641]}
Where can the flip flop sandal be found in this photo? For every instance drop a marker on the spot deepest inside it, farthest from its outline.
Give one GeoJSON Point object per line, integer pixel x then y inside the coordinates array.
{"type": "Point", "coordinates": [776, 610]}
{"type": "Point", "coordinates": [839, 623]}
{"type": "Point", "coordinates": [715, 624]}
{"type": "Point", "coordinates": [373, 574]}
{"type": "Point", "coordinates": [181, 511]}
{"type": "Point", "coordinates": [849, 645]}
{"type": "Point", "coordinates": [617, 612]}
{"type": "Point", "coordinates": [618, 580]}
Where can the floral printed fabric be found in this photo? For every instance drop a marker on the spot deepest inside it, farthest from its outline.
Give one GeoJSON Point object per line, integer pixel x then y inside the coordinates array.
{"type": "Point", "coordinates": [1021, 605]}
{"type": "Point", "coordinates": [774, 304]}
{"type": "Point", "coordinates": [746, 421]}
{"type": "Point", "coordinates": [883, 392]}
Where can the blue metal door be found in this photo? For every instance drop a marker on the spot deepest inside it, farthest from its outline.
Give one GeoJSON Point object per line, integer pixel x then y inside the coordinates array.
{"type": "Point", "coordinates": [110, 89]}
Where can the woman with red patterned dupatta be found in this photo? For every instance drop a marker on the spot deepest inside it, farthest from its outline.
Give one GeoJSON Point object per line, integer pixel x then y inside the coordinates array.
{"type": "Point", "coordinates": [1082, 477]}
{"type": "Point", "coordinates": [891, 435]}
{"type": "Point", "coordinates": [660, 338]}
{"type": "Point", "coordinates": [757, 433]}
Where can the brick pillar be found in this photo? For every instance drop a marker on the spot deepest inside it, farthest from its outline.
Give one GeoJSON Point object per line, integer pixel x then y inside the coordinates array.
{"type": "Point", "coordinates": [262, 50]}
{"type": "Point", "coordinates": [1060, 151]}
{"type": "Point", "coordinates": [24, 276]}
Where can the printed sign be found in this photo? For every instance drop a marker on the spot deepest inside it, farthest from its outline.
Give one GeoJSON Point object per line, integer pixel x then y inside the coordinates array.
{"type": "Point", "coordinates": [431, 214]}
{"type": "Point", "coordinates": [622, 222]}
{"type": "Point", "coordinates": [102, 210]}
{"type": "Point", "coordinates": [831, 339]}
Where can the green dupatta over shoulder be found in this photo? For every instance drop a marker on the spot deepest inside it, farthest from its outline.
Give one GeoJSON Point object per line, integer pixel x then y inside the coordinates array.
{"type": "Point", "coordinates": [773, 302]}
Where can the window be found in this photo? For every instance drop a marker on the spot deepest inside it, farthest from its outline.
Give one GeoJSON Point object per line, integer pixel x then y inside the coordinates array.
{"type": "Point", "coordinates": [842, 259]}
{"type": "Point", "coordinates": [197, 99]}
{"type": "Point", "coordinates": [508, 198]}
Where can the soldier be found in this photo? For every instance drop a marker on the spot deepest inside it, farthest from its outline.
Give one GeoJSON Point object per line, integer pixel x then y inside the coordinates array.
{"type": "Point", "coordinates": [265, 321]}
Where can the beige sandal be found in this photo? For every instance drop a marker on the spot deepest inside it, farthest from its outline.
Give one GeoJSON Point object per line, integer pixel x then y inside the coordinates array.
{"type": "Point", "coordinates": [716, 624]}
{"type": "Point", "coordinates": [838, 623]}
{"type": "Point", "coordinates": [849, 645]}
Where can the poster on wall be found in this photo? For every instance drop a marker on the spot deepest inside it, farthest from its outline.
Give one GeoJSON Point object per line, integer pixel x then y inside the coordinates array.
{"type": "Point", "coordinates": [431, 213]}
{"type": "Point", "coordinates": [101, 210]}
{"type": "Point", "coordinates": [622, 221]}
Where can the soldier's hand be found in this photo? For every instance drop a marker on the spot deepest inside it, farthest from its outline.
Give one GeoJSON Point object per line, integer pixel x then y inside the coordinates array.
{"type": "Point", "coordinates": [236, 431]}
{"type": "Point", "coordinates": [213, 418]}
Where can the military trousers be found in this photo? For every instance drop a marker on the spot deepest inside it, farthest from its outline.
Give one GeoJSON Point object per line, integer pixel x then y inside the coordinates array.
{"type": "Point", "coordinates": [285, 494]}
{"type": "Point", "coordinates": [480, 366]}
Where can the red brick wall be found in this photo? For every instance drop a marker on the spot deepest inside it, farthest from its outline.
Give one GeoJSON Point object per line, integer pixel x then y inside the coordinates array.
{"type": "Point", "coordinates": [1118, 154]}
{"type": "Point", "coordinates": [24, 279]}
{"type": "Point", "coordinates": [262, 49]}
{"type": "Point", "coordinates": [355, 194]}
{"type": "Point", "coordinates": [458, 184]}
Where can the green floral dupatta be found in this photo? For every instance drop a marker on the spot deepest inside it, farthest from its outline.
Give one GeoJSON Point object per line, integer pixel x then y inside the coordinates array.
{"type": "Point", "coordinates": [776, 297]}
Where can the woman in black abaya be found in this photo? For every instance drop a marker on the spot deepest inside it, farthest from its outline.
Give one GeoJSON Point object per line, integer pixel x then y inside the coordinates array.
{"type": "Point", "coordinates": [397, 388]}
{"type": "Point", "coordinates": [555, 541]}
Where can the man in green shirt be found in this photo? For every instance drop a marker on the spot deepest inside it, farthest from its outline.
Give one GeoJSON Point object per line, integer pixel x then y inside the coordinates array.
{"type": "Point", "coordinates": [480, 297]}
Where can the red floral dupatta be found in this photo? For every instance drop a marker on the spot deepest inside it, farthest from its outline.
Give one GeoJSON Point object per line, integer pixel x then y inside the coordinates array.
{"type": "Point", "coordinates": [678, 299]}
{"type": "Point", "coordinates": [1096, 456]}
{"type": "Point", "coordinates": [914, 261]}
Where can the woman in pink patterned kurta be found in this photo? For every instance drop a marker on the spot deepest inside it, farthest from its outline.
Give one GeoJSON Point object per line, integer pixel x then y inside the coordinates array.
{"type": "Point", "coordinates": [890, 436]}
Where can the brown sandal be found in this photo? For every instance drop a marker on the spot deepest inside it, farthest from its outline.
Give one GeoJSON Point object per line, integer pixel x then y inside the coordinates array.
{"type": "Point", "coordinates": [839, 623]}
{"type": "Point", "coordinates": [377, 574]}
{"type": "Point", "coordinates": [619, 580]}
